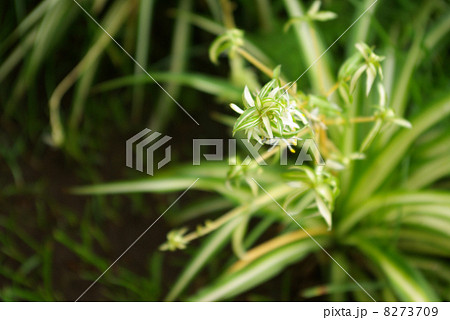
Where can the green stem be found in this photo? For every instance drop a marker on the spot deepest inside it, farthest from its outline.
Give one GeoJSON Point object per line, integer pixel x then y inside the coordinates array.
{"type": "Point", "coordinates": [255, 205]}
{"type": "Point", "coordinates": [258, 64]}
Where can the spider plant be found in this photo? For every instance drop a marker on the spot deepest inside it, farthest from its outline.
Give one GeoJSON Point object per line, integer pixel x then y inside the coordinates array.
{"type": "Point", "coordinates": [376, 103]}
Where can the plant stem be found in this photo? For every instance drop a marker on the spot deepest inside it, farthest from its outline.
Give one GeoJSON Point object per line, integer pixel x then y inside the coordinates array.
{"type": "Point", "coordinates": [255, 204]}
{"type": "Point", "coordinates": [336, 86]}
{"type": "Point", "coordinates": [263, 68]}
{"type": "Point", "coordinates": [227, 9]}
{"type": "Point", "coordinates": [352, 120]}
{"type": "Point", "coordinates": [258, 64]}
{"type": "Point", "coordinates": [273, 244]}
{"type": "Point", "coordinates": [332, 90]}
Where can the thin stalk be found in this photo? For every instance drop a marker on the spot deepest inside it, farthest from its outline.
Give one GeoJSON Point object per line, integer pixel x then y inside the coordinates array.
{"type": "Point", "coordinates": [351, 120]}
{"type": "Point", "coordinates": [273, 244]}
{"type": "Point", "coordinates": [255, 205]}
{"type": "Point", "coordinates": [332, 89]}
{"type": "Point", "coordinates": [227, 11]}
{"type": "Point", "coordinates": [258, 64]}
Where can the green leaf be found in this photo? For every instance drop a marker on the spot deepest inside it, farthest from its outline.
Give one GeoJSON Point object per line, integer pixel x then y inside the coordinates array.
{"type": "Point", "coordinates": [237, 240]}
{"type": "Point", "coordinates": [248, 119]}
{"type": "Point", "coordinates": [204, 83]}
{"type": "Point", "coordinates": [84, 252]}
{"type": "Point", "coordinates": [219, 45]}
{"type": "Point", "coordinates": [381, 201]}
{"type": "Point", "coordinates": [324, 211]}
{"type": "Point", "coordinates": [406, 281]}
{"type": "Point", "coordinates": [429, 172]}
{"type": "Point", "coordinates": [421, 240]}
{"type": "Point", "coordinates": [371, 135]}
{"type": "Point", "coordinates": [210, 179]}
{"type": "Point", "coordinates": [333, 288]}
{"type": "Point", "coordinates": [356, 77]}
{"type": "Point", "coordinates": [257, 272]}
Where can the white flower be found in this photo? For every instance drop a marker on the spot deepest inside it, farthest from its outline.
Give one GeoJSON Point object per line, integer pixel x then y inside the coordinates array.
{"type": "Point", "coordinates": [271, 113]}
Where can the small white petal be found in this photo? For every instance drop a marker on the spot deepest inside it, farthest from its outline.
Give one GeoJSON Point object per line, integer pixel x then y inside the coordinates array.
{"type": "Point", "coordinates": [335, 165]}
{"type": "Point", "coordinates": [382, 94]}
{"type": "Point", "coordinates": [371, 74]}
{"type": "Point", "coordinates": [380, 72]}
{"type": "Point", "coordinates": [315, 112]}
{"type": "Point", "coordinates": [287, 120]}
{"type": "Point", "coordinates": [273, 92]}
{"type": "Point", "coordinates": [256, 137]}
{"type": "Point", "coordinates": [236, 108]}
{"type": "Point", "coordinates": [324, 16]}
{"type": "Point", "coordinates": [248, 97]}
{"type": "Point", "coordinates": [356, 76]}
{"type": "Point", "coordinates": [268, 127]}
{"type": "Point", "coordinates": [295, 184]}
{"type": "Point", "coordinates": [357, 156]}
{"type": "Point", "coordinates": [314, 8]}
{"type": "Point", "coordinates": [361, 47]}
{"type": "Point", "coordinates": [403, 123]}
{"type": "Point", "coordinates": [301, 117]}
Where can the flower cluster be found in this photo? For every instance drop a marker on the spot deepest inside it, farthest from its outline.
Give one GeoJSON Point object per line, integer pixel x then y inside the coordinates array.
{"type": "Point", "coordinates": [229, 41]}
{"type": "Point", "coordinates": [313, 14]}
{"type": "Point", "coordinates": [175, 240]}
{"type": "Point", "coordinates": [315, 185]}
{"type": "Point", "coordinates": [269, 116]}
{"type": "Point", "coordinates": [364, 61]}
